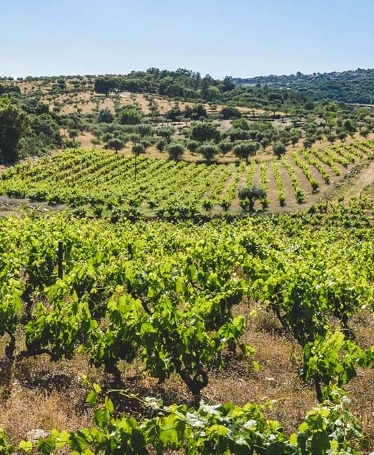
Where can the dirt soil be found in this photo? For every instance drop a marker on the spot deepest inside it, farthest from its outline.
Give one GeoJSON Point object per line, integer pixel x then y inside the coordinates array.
{"type": "Point", "coordinates": [365, 179]}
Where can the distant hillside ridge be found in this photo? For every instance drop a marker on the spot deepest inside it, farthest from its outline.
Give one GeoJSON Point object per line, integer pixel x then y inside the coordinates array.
{"type": "Point", "coordinates": [353, 86]}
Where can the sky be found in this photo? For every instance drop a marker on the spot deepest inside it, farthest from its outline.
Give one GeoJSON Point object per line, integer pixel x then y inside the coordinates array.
{"type": "Point", "coordinates": [218, 37]}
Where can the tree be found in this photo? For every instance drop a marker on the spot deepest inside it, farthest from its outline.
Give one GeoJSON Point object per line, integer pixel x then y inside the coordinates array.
{"type": "Point", "coordinates": [161, 144]}
{"type": "Point", "coordinates": [309, 141]}
{"type": "Point", "coordinates": [73, 133]}
{"type": "Point", "coordinates": [342, 135]}
{"type": "Point", "coordinates": [237, 134]}
{"type": "Point", "coordinates": [146, 143]}
{"type": "Point", "coordinates": [166, 133]}
{"type": "Point", "coordinates": [211, 93]}
{"type": "Point", "coordinates": [46, 128]}
{"type": "Point", "coordinates": [105, 116]}
{"type": "Point", "coordinates": [227, 113]}
{"type": "Point", "coordinates": [104, 85]}
{"type": "Point", "coordinates": [192, 146]}
{"type": "Point", "coordinates": [244, 150]}
{"type": "Point", "coordinates": [225, 147]}
{"type": "Point", "coordinates": [240, 123]}
{"type": "Point", "coordinates": [204, 131]}
{"type": "Point", "coordinates": [115, 143]}
{"type": "Point", "coordinates": [209, 151]}
{"type": "Point", "coordinates": [279, 149]}
{"type": "Point", "coordinates": [249, 195]}
{"type": "Point", "coordinates": [144, 129]}
{"type": "Point", "coordinates": [138, 149]}
{"type": "Point", "coordinates": [13, 124]}
{"type": "Point", "coordinates": [130, 115]}
{"type": "Point", "coordinates": [364, 131]}
{"type": "Point", "coordinates": [175, 150]}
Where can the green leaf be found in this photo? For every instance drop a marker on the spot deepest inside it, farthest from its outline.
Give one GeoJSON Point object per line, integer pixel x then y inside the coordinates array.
{"type": "Point", "coordinates": [101, 418]}
{"type": "Point", "coordinates": [221, 430]}
{"type": "Point", "coordinates": [62, 439]}
{"type": "Point", "coordinates": [320, 443]}
{"type": "Point", "coordinates": [92, 398]}
{"type": "Point", "coordinates": [293, 439]}
{"type": "Point", "coordinates": [25, 445]}
{"type": "Point", "coordinates": [255, 366]}
{"type": "Point", "coordinates": [46, 446]}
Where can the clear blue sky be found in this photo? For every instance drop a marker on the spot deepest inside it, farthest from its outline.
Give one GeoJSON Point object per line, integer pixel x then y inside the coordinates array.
{"type": "Point", "coordinates": [218, 37]}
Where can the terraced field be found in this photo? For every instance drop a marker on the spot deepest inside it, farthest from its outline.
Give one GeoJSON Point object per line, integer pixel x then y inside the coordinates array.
{"type": "Point", "coordinates": [133, 185]}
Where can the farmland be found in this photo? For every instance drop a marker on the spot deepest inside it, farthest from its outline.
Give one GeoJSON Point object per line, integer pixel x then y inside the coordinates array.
{"type": "Point", "coordinates": [105, 181]}
{"type": "Point", "coordinates": [169, 301]}
{"type": "Point", "coordinates": [147, 306]}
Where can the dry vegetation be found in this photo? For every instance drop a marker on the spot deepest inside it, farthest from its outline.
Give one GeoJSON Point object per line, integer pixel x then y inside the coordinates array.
{"type": "Point", "coordinates": [39, 394]}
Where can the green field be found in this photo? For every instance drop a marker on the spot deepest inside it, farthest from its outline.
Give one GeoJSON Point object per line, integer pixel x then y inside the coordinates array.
{"type": "Point", "coordinates": [106, 181]}
{"type": "Point", "coordinates": [147, 305]}
{"type": "Point", "coordinates": [175, 300]}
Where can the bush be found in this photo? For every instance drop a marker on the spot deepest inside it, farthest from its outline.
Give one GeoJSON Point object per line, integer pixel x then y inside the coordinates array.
{"type": "Point", "coordinates": [248, 196]}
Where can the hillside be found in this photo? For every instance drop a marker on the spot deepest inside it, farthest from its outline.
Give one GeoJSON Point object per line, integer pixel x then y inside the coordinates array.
{"type": "Point", "coordinates": [187, 267]}
{"type": "Point", "coordinates": [346, 87]}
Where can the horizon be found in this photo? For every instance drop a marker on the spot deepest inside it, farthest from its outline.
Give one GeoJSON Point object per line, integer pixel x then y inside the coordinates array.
{"type": "Point", "coordinates": [2, 77]}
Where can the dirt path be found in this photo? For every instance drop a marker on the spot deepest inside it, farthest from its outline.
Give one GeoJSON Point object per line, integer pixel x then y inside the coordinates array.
{"type": "Point", "coordinates": [12, 206]}
{"type": "Point", "coordinates": [363, 180]}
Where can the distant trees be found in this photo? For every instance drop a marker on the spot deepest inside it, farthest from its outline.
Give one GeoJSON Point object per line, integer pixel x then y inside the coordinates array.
{"type": "Point", "coordinates": [279, 149]}
{"type": "Point", "coordinates": [129, 115]}
{"type": "Point", "coordinates": [105, 116]}
{"type": "Point", "coordinates": [175, 150]}
{"type": "Point", "coordinates": [204, 131]}
{"type": "Point", "coordinates": [244, 150]}
{"type": "Point", "coordinates": [228, 113]}
{"type": "Point", "coordinates": [44, 125]}
{"type": "Point", "coordinates": [192, 146]}
{"type": "Point", "coordinates": [13, 124]}
{"type": "Point", "coordinates": [115, 144]}
{"type": "Point", "coordinates": [225, 147]}
{"type": "Point", "coordinates": [137, 149]}
{"type": "Point", "coordinates": [208, 150]}
{"type": "Point", "coordinates": [104, 85]}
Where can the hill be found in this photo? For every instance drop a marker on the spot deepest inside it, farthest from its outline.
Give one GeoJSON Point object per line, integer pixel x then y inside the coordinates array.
{"type": "Point", "coordinates": [346, 87]}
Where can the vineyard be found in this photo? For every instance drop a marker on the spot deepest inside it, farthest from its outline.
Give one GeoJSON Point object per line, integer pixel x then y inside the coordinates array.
{"type": "Point", "coordinates": [134, 185]}
{"type": "Point", "coordinates": [175, 301]}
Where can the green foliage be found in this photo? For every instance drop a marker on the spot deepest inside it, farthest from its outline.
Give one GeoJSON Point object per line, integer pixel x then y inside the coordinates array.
{"type": "Point", "coordinates": [175, 150]}
{"type": "Point", "coordinates": [161, 144]}
{"type": "Point", "coordinates": [208, 150]}
{"type": "Point", "coordinates": [248, 196]}
{"type": "Point", "coordinates": [115, 143]}
{"type": "Point", "coordinates": [240, 123]}
{"type": "Point", "coordinates": [105, 116]}
{"type": "Point", "coordinates": [225, 147]}
{"type": "Point", "coordinates": [129, 115]}
{"type": "Point", "coordinates": [279, 149]}
{"type": "Point", "coordinates": [13, 124]}
{"type": "Point", "coordinates": [137, 149]}
{"type": "Point", "coordinates": [228, 113]}
{"type": "Point", "coordinates": [204, 131]}
{"type": "Point", "coordinates": [221, 428]}
{"type": "Point", "coordinates": [244, 150]}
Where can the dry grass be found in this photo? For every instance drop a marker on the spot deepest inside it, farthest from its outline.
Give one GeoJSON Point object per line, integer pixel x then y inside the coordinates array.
{"type": "Point", "coordinates": [44, 395]}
